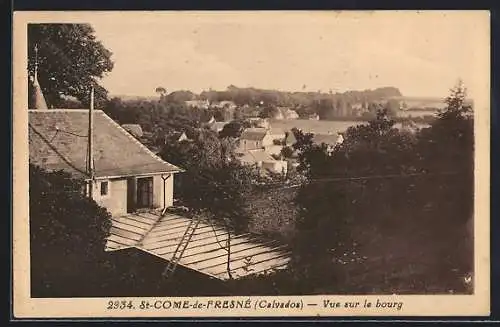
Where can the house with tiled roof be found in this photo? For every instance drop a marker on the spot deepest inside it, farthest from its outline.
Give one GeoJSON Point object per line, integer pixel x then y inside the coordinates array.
{"type": "Point", "coordinates": [263, 160]}
{"type": "Point", "coordinates": [127, 175]}
{"type": "Point", "coordinates": [257, 147]}
{"type": "Point", "coordinates": [269, 139]}
{"type": "Point", "coordinates": [258, 138]}
{"type": "Point", "coordinates": [254, 138]}
{"type": "Point", "coordinates": [201, 104]}
{"type": "Point", "coordinates": [124, 176]}
{"type": "Point", "coordinates": [218, 126]}
{"type": "Point", "coordinates": [285, 113]}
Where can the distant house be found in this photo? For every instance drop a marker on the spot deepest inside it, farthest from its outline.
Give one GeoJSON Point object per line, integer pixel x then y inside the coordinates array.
{"type": "Point", "coordinates": [330, 140]}
{"type": "Point", "coordinates": [291, 114]}
{"type": "Point", "coordinates": [409, 126]}
{"type": "Point", "coordinates": [183, 137]}
{"type": "Point", "coordinates": [134, 129]}
{"type": "Point", "coordinates": [357, 106]}
{"type": "Point", "coordinates": [357, 109]}
{"type": "Point", "coordinates": [259, 122]}
{"type": "Point", "coordinates": [313, 116]}
{"type": "Point", "coordinates": [202, 104]}
{"type": "Point", "coordinates": [254, 138]}
{"type": "Point", "coordinates": [218, 126]}
{"type": "Point", "coordinates": [269, 139]}
{"type": "Point", "coordinates": [264, 161]}
{"type": "Point", "coordinates": [179, 136]}
{"type": "Point", "coordinates": [127, 175]}
{"type": "Point", "coordinates": [412, 113]}
{"type": "Point", "coordinates": [285, 113]}
{"type": "Point", "coordinates": [258, 138]}
{"type": "Point", "coordinates": [223, 104]}
{"type": "Point", "coordinates": [276, 134]}
{"type": "Point", "coordinates": [277, 114]}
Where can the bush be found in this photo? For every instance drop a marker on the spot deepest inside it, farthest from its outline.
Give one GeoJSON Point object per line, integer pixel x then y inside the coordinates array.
{"type": "Point", "coordinates": [68, 232]}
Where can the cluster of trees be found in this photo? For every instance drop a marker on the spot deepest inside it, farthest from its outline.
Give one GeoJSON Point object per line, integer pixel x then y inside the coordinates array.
{"type": "Point", "coordinates": [388, 196]}
{"type": "Point", "coordinates": [255, 97]}
{"type": "Point", "coordinates": [326, 105]}
{"type": "Point", "coordinates": [214, 179]}
{"type": "Point", "coordinates": [70, 60]}
{"type": "Point", "coordinates": [155, 116]}
{"type": "Point", "coordinates": [217, 186]}
{"type": "Point", "coordinates": [385, 212]}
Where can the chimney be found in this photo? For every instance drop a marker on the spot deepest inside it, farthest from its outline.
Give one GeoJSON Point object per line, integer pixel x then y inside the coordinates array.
{"type": "Point", "coordinates": [38, 98]}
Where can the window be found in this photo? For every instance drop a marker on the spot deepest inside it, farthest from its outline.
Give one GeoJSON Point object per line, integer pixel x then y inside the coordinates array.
{"type": "Point", "coordinates": [104, 188]}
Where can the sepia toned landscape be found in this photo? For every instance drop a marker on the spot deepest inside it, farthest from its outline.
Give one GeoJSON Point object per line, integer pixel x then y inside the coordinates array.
{"type": "Point", "coordinates": [174, 179]}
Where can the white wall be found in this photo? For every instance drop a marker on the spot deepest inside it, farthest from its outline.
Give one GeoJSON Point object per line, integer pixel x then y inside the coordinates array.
{"type": "Point", "coordinates": [277, 166]}
{"type": "Point", "coordinates": [268, 140]}
{"type": "Point", "coordinates": [158, 191]}
{"type": "Point", "coordinates": [245, 145]}
{"type": "Point", "coordinates": [116, 199]}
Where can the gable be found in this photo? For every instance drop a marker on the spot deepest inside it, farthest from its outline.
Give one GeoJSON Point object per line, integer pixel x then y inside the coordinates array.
{"type": "Point", "coordinates": [58, 140]}
{"type": "Point", "coordinates": [254, 134]}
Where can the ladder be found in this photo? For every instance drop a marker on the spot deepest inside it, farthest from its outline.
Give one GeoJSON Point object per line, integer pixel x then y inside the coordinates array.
{"type": "Point", "coordinates": [181, 247]}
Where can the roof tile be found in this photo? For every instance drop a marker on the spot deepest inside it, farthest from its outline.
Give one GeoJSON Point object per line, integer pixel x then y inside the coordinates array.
{"type": "Point", "coordinates": [58, 140]}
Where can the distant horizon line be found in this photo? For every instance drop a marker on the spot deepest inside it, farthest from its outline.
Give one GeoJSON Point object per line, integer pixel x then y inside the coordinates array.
{"type": "Point", "coordinates": [323, 91]}
{"type": "Point", "coordinates": [153, 95]}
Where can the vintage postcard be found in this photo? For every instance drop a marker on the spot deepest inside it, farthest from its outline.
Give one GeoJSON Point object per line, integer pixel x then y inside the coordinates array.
{"type": "Point", "coordinates": [251, 164]}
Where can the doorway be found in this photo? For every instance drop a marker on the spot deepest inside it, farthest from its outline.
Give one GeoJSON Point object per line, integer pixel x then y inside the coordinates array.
{"type": "Point", "coordinates": [145, 192]}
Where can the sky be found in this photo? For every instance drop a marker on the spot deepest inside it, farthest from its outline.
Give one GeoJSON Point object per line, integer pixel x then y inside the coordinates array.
{"type": "Point", "coordinates": [421, 53]}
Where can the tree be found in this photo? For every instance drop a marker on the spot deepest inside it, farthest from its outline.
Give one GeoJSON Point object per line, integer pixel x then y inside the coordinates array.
{"type": "Point", "coordinates": [122, 111]}
{"type": "Point", "coordinates": [70, 61]}
{"type": "Point", "coordinates": [161, 91]}
{"type": "Point", "coordinates": [287, 152]}
{"type": "Point", "coordinates": [381, 178]}
{"type": "Point", "coordinates": [215, 183]}
{"type": "Point", "coordinates": [234, 128]}
{"type": "Point", "coordinates": [68, 232]}
{"type": "Point", "coordinates": [180, 96]}
{"type": "Point", "coordinates": [448, 146]}
{"type": "Point", "coordinates": [269, 112]}
{"type": "Point", "coordinates": [392, 107]}
{"type": "Point", "coordinates": [326, 108]}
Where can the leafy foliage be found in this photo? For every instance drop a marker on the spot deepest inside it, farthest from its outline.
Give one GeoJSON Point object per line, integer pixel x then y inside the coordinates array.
{"type": "Point", "coordinates": [235, 128]}
{"type": "Point", "coordinates": [414, 208]}
{"type": "Point", "coordinates": [70, 61]}
{"type": "Point", "coordinates": [272, 98]}
{"type": "Point", "coordinates": [68, 235]}
{"type": "Point", "coordinates": [214, 178]}
{"type": "Point", "coordinates": [179, 97]}
{"type": "Point", "coordinates": [158, 118]}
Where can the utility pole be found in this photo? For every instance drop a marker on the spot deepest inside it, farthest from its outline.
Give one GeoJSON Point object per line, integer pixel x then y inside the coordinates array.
{"type": "Point", "coordinates": [36, 60]}
{"type": "Point", "coordinates": [90, 156]}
